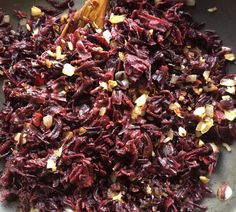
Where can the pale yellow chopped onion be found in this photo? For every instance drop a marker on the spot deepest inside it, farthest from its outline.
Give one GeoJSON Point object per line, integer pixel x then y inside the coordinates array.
{"type": "Point", "coordinates": [206, 75]}
{"type": "Point", "coordinates": [230, 114]}
{"type": "Point", "coordinates": [204, 179]}
{"type": "Point", "coordinates": [227, 82]}
{"type": "Point", "coordinates": [182, 132]}
{"type": "Point", "coordinates": [70, 46]}
{"type": "Point", "coordinates": [107, 35]}
{"type": "Point", "coordinates": [68, 70]}
{"type": "Point", "coordinates": [102, 111]}
{"type": "Point", "coordinates": [36, 12]}
{"type": "Point", "coordinates": [82, 130]}
{"type": "Point", "coordinates": [214, 148]}
{"type": "Point", "coordinates": [209, 110]}
{"type": "Point", "coordinates": [148, 189]}
{"type": "Point", "coordinates": [231, 90]}
{"type": "Point", "coordinates": [104, 85]}
{"type": "Point", "coordinates": [115, 19]}
{"type": "Point", "coordinates": [230, 57]}
{"type": "Point", "coordinates": [48, 121]}
{"type": "Point", "coordinates": [212, 9]}
{"type": "Point", "coordinates": [227, 97]}
{"type": "Point", "coordinates": [201, 143]}
{"type": "Point", "coordinates": [205, 125]}
{"type": "Point", "coordinates": [122, 56]}
{"type": "Point", "coordinates": [227, 147]}
{"type": "Point", "coordinates": [6, 19]}
{"type": "Point", "coordinates": [112, 84]}
{"type": "Point", "coordinates": [176, 107]}
{"type": "Point", "coordinates": [200, 111]}
{"type": "Point", "coordinates": [141, 101]}
{"type": "Point", "coordinates": [191, 78]}
{"type": "Point", "coordinates": [174, 79]}
{"type": "Point", "coordinates": [51, 164]}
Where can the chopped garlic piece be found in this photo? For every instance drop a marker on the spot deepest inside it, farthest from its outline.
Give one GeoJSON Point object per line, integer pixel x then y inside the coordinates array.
{"type": "Point", "coordinates": [51, 163]}
{"type": "Point", "coordinates": [48, 121]}
{"type": "Point", "coordinates": [70, 45]}
{"type": "Point", "coordinates": [104, 85]}
{"type": "Point", "coordinates": [115, 19]}
{"type": "Point", "coordinates": [204, 179]}
{"type": "Point", "coordinates": [209, 110]}
{"type": "Point", "coordinates": [102, 111]}
{"type": "Point", "coordinates": [230, 57]}
{"type": "Point", "coordinates": [17, 137]}
{"type": "Point", "coordinates": [138, 111]}
{"type": "Point", "coordinates": [118, 197]}
{"type": "Point", "coordinates": [230, 114]}
{"type": "Point", "coordinates": [122, 56]}
{"type": "Point", "coordinates": [182, 132]}
{"type": "Point", "coordinates": [206, 75]}
{"type": "Point", "coordinates": [141, 101]}
{"type": "Point", "coordinates": [112, 84]}
{"type": "Point", "coordinates": [36, 12]}
{"type": "Point", "coordinates": [48, 63]}
{"type": "Point", "coordinates": [212, 9]}
{"type": "Point", "coordinates": [191, 78]}
{"type": "Point", "coordinates": [227, 147]}
{"type": "Point", "coordinates": [50, 53]}
{"type": "Point", "coordinates": [82, 130]}
{"type": "Point", "coordinates": [174, 79]}
{"type": "Point", "coordinates": [201, 143]}
{"type": "Point", "coordinates": [58, 52]}
{"type": "Point", "coordinates": [68, 135]}
{"type": "Point", "coordinates": [107, 35]}
{"type": "Point", "coordinates": [200, 111]}
{"type": "Point", "coordinates": [58, 152]}
{"type": "Point", "coordinates": [231, 89]}
{"type": "Point", "coordinates": [227, 97]}
{"type": "Point", "coordinates": [148, 189]}
{"type": "Point", "coordinates": [6, 19]}
{"type": "Point", "coordinates": [176, 108]}
{"type": "Point", "coordinates": [228, 82]}
{"type": "Point", "coordinates": [214, 148]}
{"type": "Point", "coordinates": [204, 126]}
{"type": "Point", "coordinates": [197, 91]}
{"type": "Point", "coordinates": [68, 70]}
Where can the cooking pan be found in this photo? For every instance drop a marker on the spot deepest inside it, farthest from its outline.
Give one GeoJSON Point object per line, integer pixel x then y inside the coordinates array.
{"type": "Point", "coordinates": [223, 21]}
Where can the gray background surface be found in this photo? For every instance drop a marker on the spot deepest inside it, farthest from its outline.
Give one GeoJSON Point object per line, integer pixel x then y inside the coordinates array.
{"type": "Point", "coordinates": [224, 22]}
